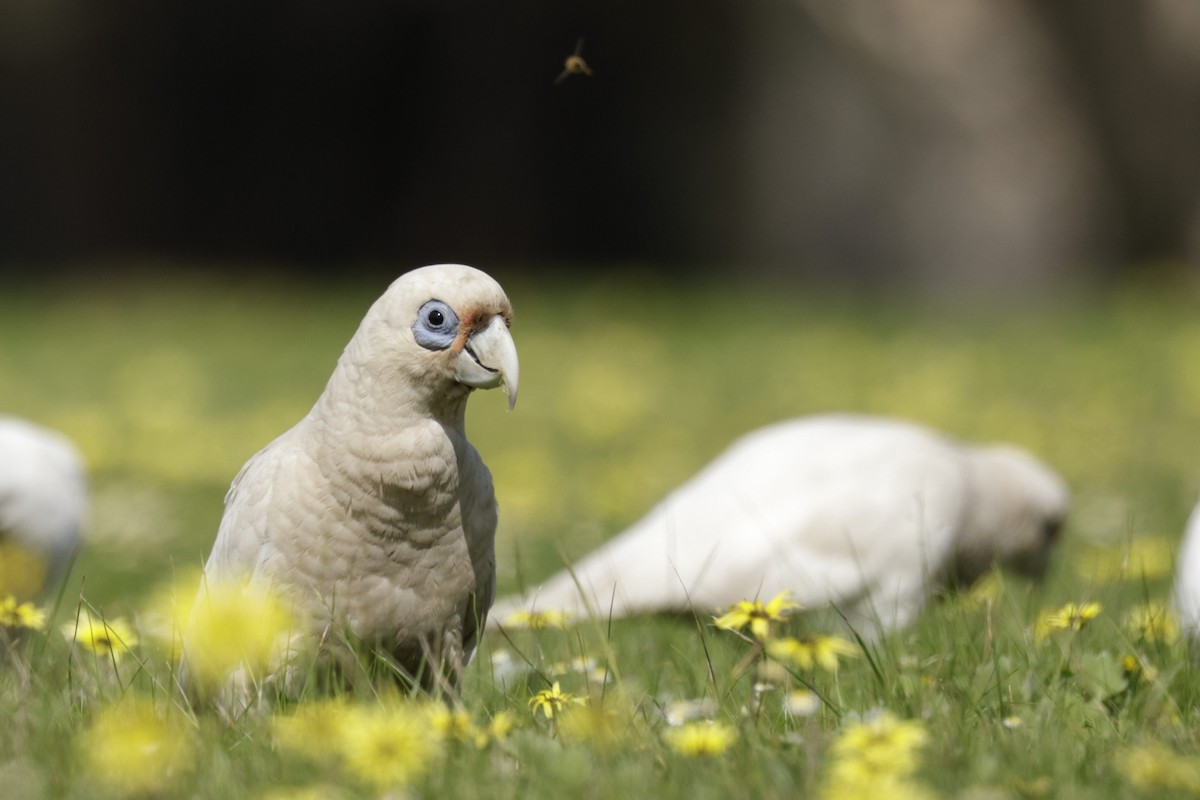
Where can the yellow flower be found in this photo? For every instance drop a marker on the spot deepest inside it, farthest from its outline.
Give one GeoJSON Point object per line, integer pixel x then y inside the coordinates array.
{"type": "Point", "coordinates": [850, 781]}
{"type": "Point", "coordinates": [387, 746]}
{"type": "Point", "coordinates": [1155, 767]}
{"type": "Point", "coordinates": [1152, 622]}
{"type": "Point", "coordinates": [111, 638]}
{"type": "Point", "coordinates": [21, 572]}
{"type": "Point", "coordinates": [552, 700]}
{"type": "Point", "coordinates": [756, 615]}
{"type": "Point", "coordinates": [234, 626]}
{"type": "Point", "coordinates": [1137, 669]}
{"type": "Point", "coordinates": [132, 748]}
{"type": "Point", "coordinates": [882, 745]}
{"type": "Point", "coordinates": [21, 615]}
{"type": "Point", "coordinates": [700, 738]}
{"type": "Point", "coordinates": [1069, 617]}
{"type": "Point", "coordinates": [537, 620]}
{"type": "Point", "coordinates": [810, 650]}
{"type": "Point", "coordinates": [311, 727]}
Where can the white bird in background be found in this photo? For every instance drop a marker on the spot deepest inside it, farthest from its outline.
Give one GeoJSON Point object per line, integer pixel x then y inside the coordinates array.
{"type": "Point", "coordinates": [1187, 578]}
{"type": "Point", "coordinates": [869, 514]}
{"type": "Point", "coordinates": [43, 502]}
{"type": "Point", "coordinates": [374, 514]}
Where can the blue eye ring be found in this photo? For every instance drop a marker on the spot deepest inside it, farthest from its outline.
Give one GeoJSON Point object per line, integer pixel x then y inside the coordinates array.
{"type": "Point", "coordinates": [436, 326]}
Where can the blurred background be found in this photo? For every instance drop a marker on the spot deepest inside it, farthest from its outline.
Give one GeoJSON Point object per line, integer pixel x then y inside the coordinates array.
{"type": "Point", "coordinates": [198, 202]}
{"type": "Point", "coordinates": [943, 145]}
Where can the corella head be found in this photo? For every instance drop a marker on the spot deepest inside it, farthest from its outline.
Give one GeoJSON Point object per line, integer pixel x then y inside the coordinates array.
{"type": "Point", "coordinates": [1017, 510]}
{"type": "Point", "coordinates": [437, 333]}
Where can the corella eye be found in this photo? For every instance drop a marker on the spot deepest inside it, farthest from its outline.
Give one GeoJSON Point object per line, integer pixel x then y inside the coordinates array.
{"type": "Point", "coordinates": [436, 326]}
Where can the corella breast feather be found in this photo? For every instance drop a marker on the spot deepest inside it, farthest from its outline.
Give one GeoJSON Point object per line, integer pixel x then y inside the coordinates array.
{"type": "Point", "coordinates": [374, 515]}
{"type": "Point", "coordinates": [869, 514]}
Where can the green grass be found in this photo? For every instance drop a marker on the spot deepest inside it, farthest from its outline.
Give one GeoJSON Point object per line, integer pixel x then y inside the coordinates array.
{"type": "Point", "coordinates": [626, 390]}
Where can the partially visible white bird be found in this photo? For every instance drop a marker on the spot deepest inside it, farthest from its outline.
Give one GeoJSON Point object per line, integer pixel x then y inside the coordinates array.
{"type": "Point", "coordinates": [870, 514]}
{"type": "Point", "coordinates": [1187, 578]}
{"type": "Point", "coordinates": [374, 514]}
{"type": "Point", "coordinates": [43, 502]}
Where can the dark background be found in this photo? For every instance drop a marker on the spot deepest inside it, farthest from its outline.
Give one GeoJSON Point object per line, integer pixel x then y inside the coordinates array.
{"type": "Point", "coordinates": [971, 144]}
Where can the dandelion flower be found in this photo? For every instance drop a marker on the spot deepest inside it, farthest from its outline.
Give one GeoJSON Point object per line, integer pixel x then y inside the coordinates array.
{"type": "Point", "coordinates": [132, 748]}
{"type": "Point", "coordinates": [538, 620]}
{"type": "Point", "coordinates": [604, 727]}
{"type": "Point", "coordinates": [21, 615]}
{"type": "Point", "coordinates": [111, 638]}
{"type": "Point", "coordinates": [552, 700]}
{"type": "Point", "coordinates": [311, 727]}
{"type": "Point", "coordinates": [1070, 617]}
{"type": "Point", "coordinates": [883, 745]}
{"type": "Point", "coordinates": [1137, 669]}
{"type": "Point", "coordinates": [1152, 622]}
{"type": "Point", "coordinates": [756, 615]}
{"type": "Point", "coordinates": [1155, 767]}
{"type": "Point", "coordinates": [388, 746]}
{"type": "Point", "coordinates": [700, 738]}
{"type": "Point", "coordinates": [237, 626]}
{"type": "Point", "coordinates": [816, 649]}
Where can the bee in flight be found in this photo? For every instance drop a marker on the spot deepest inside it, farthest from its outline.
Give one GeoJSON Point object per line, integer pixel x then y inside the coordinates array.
{"type": "Point", "coordinates": [574, 64]}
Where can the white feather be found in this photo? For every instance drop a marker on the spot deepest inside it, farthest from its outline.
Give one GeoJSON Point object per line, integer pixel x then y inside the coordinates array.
{"type": "Point", "coordinates": [43, 495]}
{"type": "Point", "coordinates": [866, 513]}
{"type": "Point", "coordinates": [1187, 578]}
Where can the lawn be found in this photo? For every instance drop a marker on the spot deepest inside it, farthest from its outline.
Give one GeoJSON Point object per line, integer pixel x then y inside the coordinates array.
{"type": "Point", "coordinates": [627, 387]}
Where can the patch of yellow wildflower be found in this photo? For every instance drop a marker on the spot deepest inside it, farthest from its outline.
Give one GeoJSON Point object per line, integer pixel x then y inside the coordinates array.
{"type": "Point", "coordinates": [388, 745]}
{"type": "Point", "coordinates": [235, 625]}
{"type": "Point", "coordinates": [553, 700]}
{"type": "Point", "coordinates": [1155, 767]}
{"type": "Point", "coordinates": [311, 728]}
{"type": "Point", "coordinates": [703, 739]}
{"type": "Point", "coordinates": [1071, 617]}
{"type": "Point", "coordinates": [816, 649]}
{"type": "Point", "coordinates": [756, 615]}
{"type": "Point", "coordinates": [14, 614]}
{"type": "Point", "coordinates": [132, 748]}
{"type": "Point", "coordinates": [537, 620]}
{"type": "Point", "coordinates": [877, 758]}
{"type": "Point", "coordinates": [1152, 622]}
{"type": "Point", "coordinates": [110, 638]}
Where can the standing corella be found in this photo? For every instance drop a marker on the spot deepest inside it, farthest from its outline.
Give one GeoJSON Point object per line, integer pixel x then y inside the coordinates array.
{"type": "Point", "coordinates": [43, 500]}
{"type": "Point", "coordinates": [374, 517]}
{"type": "Point", "coordinates": [871, 515]}
{"type": "Point", "coordinates": [1187, 578]}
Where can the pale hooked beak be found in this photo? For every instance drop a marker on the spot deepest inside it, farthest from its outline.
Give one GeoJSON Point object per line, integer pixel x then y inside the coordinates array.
{"type": "Point", "coordinates": [489, 359]}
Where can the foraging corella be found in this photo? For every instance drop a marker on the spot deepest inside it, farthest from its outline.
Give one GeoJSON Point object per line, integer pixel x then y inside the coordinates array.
{"type": "Point", "coordinates": [865, 513]}
{"type": "Point", "coordinates": [1187, 578]}
{"type": "Point", "coordinates": [43, 500]}
{"type": "Point", "coordinates": [374, 514]}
